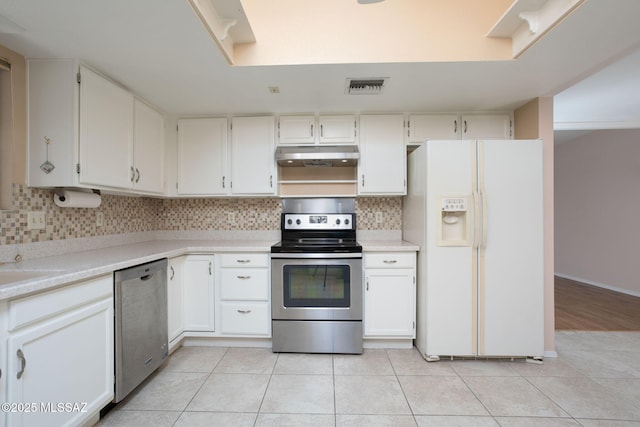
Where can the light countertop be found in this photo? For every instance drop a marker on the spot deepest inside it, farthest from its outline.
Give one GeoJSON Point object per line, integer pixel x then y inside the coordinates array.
{"type": "Point", "coordinates": [40, 274]}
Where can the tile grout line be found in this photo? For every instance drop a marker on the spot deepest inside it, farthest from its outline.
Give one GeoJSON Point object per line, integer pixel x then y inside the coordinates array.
{"type": "Point", "coordinates": [395, 373]}
{"type": "Point", "coordinates": [264, 395]}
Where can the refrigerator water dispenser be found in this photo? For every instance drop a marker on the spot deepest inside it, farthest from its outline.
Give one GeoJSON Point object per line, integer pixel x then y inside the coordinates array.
{"type": "Point", "coordinates": [453, 226]}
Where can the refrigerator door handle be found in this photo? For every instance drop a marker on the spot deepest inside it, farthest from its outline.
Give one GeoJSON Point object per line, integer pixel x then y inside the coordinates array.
{"type": "Point", "coordinates": [483, 232]}
{"type": "Point", "coordinates": [476, 220]}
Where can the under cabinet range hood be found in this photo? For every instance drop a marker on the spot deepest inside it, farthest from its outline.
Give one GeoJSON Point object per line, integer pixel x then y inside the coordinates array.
{"type": "Point", "coordinates": [317, 156]}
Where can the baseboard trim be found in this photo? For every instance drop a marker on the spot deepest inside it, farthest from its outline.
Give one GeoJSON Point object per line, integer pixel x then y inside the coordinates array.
{"type": "Point", "coordinates": [598, 284]}
{"type": "Point", "coordinates": [550, 354]}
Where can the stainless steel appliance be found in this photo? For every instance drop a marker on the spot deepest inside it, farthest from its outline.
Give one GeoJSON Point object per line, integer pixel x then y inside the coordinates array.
{"type": "Point", "coordinates": [141, 341]}
{"type": "Point", "coordinates": [316, 278]}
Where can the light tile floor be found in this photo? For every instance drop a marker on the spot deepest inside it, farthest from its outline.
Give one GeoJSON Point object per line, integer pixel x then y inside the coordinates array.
{"type": "Point", "coordinates": [595, 382]}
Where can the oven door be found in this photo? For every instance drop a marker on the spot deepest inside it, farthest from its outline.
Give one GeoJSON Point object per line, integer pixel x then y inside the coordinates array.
{"type": "Point", "coordinates": [316, 288]}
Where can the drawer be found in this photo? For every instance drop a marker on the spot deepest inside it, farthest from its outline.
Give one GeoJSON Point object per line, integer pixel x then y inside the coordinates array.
{"type": "Point", "coordinates": [244, 260]}
{"type": "Point", "coordinates": [390, 260]}
{"type": "Point", "coordinates": [251, 318]}
{"type": "Point", "coordinates": [244, 284]}
{"type": "Point", "coordinates": [28, 310]}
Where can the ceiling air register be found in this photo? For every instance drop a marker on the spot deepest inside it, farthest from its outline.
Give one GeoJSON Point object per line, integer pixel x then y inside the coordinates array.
{"type": "Point", "coordinates": [373, 86]}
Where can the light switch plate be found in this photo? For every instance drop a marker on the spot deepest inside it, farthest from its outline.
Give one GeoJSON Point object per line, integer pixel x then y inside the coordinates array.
{"type": "Point", "coordinates": [36, 220]}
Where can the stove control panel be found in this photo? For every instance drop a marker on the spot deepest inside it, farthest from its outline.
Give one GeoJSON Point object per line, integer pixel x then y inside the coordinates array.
{"type": "Point", "coordinates": [318, 222]}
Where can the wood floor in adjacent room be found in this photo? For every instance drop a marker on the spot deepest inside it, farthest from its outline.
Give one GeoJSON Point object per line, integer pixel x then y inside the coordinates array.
{"type": "Point", "coordinates": [582, 307]}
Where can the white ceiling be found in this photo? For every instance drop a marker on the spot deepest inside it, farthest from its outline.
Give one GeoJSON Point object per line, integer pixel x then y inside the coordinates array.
{"type": "Point", "coordinates": [160, 51]}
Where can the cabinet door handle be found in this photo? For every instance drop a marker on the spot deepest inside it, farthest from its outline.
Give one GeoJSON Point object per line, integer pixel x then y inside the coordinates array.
{"type": "Point", "coordinates": [244, 311]}
{"type": "Point", "coordinates": [210, 268]}
{"type": "Point", "coordinates": [363, 180]}
{"type": "Point", "coordinates": [244, 277]}
{"type": "Point", "coordinates": [243, 261]}
{"type": "Point", "coordinates": [465, 126]}
{"type": "Point", "coordinates": [455, 126]}
{"type": "Point", "coordinates": [23, 363]}
{"type": "Point", "coordinates": [270, 181]}
{"type": "Point", "coordinates": [223, 186]}
{"type": "Point", "coordinates": [137, 175]}
{"type": "Point", "coordinates": [311, 130]}
{"type": "Point", "coordinates": [390, 261]}
{"type": "Point", "coordinates": [173, 273]}
{"type": "Point", "coordinates": [321, 131]}
{"type": "Point", "coordinates": [133, 174]}
{"type": "Point", "coordinates": [367, 285]}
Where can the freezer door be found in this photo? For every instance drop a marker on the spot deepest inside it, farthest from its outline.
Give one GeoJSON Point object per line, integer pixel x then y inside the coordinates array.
{"type": "Point", "coordinates": [448, 277]}
{"type": "Point", "coordinates": [511, 282]}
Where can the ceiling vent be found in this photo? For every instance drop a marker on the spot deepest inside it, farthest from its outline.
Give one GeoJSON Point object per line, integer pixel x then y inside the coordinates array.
{"type": "Point", "coordinates": [365, 86]}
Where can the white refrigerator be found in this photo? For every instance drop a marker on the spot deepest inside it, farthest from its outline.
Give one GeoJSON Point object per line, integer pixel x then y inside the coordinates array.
{"type": "Point", "coordinates": [476, 210]}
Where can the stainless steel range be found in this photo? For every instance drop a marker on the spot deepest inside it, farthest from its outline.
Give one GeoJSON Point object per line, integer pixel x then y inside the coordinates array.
{"type": "Point", "coordinates": [316, 278]}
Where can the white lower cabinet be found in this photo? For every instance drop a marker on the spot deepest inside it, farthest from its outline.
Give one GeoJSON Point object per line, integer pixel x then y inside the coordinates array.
{"type": "Point", "coordinates": [60, 354]}
{"type": "Point", "coordinates": [175, 299]}
{"type": "Point", "coordinates": [389, 295]}
{"type": "Point", "coordinates": [199, 293]}
{"type": "Point", "coordinates": [245, 307]}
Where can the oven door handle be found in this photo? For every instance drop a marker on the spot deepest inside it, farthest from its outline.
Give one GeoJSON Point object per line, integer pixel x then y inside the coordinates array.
{"type": "Point", "coordinates": [316, 255]}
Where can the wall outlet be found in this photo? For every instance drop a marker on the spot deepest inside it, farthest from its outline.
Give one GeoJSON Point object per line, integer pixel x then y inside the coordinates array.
{"type": "Point", "coordinates": [379, 217]}
{"type": "Point", "coordinates": [99, 219]}
{"type": "Point", "coordinates": [231, 217]}
{"type": "Point", "coordinates": [36, 220]}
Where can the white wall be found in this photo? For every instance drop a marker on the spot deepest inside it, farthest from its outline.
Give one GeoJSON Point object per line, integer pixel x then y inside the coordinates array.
{"type": "Point", "coordinates": [597, 206]}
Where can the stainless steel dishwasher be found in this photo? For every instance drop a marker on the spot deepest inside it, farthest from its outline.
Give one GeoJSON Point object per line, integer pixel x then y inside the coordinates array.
{"type": "Point", "coordinates": [141, 341]}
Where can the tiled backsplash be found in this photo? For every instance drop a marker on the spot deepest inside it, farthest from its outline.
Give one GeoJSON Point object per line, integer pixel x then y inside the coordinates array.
{"type": "Point", "coordinates": [124, 214]}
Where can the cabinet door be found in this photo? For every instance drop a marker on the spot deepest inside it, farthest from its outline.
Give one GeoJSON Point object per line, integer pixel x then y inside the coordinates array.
{"type": "Point", "coordinates": [296, 130]}
{"type": "Point", "coordinates": [389, 302]}
{"type": "Point", "coordinates": [383, 157]}
{"type": "Point", "coordinates": [202, 156]}
{"type": "Point", "coordinates": [252, 155]}
{"type": "Point", "coordinates": [486, 126]}
{"type": "Point", "coordinates": [148, 149]}
{"type": "Point", "coordinates": [53, 100]}
{"type": "Point", "coordinates": [338, 129]}
{"type": "Point", "coordinates": [433, 126]}
{"type": "Point", "coordinates": [175, 298]}
{"type": "Point", "coordinates": [68, 358]}
{"type": "Point", "coordinates": [197, 276]}
{"type": "Point", "coordinates": [106, 132]}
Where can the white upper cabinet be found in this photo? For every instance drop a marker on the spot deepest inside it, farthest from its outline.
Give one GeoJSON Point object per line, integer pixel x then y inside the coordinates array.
{"type": "Point", "coordinates": [148, 151]}
{"type": "Point", "coordinates": [106, 132]}
{"type": "Point", "coordinates": [210, 163]}
{"type": "Point", "coordinates": [252, 156]}
{"type": "Point", "coordinates": [382, 167]}
{"type": "Point", "coordinates": [337, 129]}
{"type": "Point", "coordinates": [297, 129]}
{"type": "Point", "coordinates": [486, 126]}
{"type": "Point", "coordinates": [326, 129]}
{"type": "Point", "coordinates": [453, 126]}
{"type": "Point", "coordinates": [53, 103]}
{"type": "Point", "coordinates": [433, 126]}
{"type": "Point", "coordinates": [87, 131]}
{"type": "Point", "coordinates": [202, 154]}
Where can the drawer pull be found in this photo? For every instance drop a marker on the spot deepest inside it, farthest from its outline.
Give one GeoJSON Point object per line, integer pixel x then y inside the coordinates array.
{"type": "Point", "coordinates": [390, 261]}
{"type": "Point", "coordinates": [243, 261]}
{"type": "Point", "coordinates": [244, 311]}
{"type": "Point", "coordinates": [23, 363]}
{"type": "Point", "coordinates": [243, 277]}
